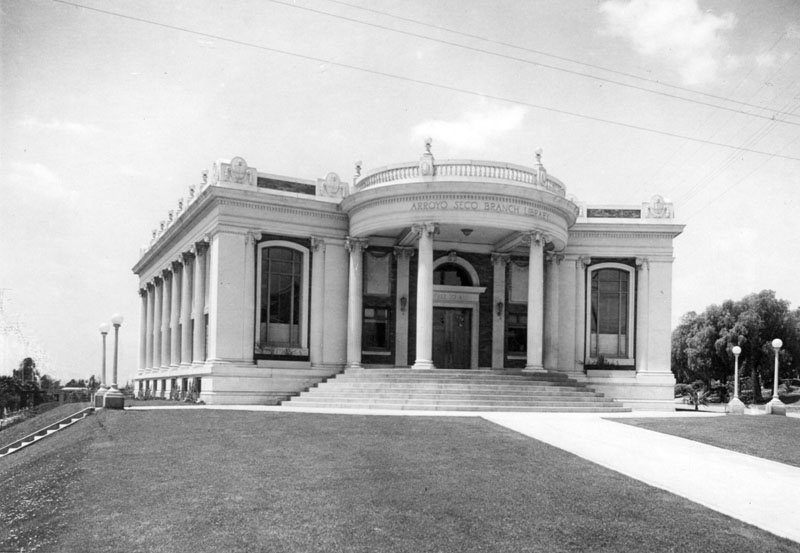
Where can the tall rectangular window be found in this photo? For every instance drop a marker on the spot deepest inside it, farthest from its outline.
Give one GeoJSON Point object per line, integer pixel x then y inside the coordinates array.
{"type": "Point", "coordinates": [609, 313]}
{"type": "Point", "coordinates": [282, 299]}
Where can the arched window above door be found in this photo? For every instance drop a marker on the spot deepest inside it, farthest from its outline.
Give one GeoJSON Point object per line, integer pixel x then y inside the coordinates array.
{"type": "Point", "coordinates": [454, 271]}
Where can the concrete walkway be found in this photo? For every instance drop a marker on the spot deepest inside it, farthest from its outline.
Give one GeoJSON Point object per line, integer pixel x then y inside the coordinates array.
{"type": "Point", "coordinates": [705, 474]}
{"type": "Point", "coordinates": [686, 468]}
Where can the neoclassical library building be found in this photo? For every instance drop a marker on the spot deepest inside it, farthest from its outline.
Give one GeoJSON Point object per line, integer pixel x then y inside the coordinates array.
{"type": "Point", "coordinates": [259, 286]}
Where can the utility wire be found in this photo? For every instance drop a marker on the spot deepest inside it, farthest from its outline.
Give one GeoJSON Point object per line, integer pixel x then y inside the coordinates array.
{"type": "Point", "coordinates": [529, 62]}
{"type": "Point", "coordinates": [554, 56]}
{"type": "Point", "coordinates": [419, 81]}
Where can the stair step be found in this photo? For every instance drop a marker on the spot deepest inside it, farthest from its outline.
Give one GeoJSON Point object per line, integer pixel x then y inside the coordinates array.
{"type": "Point", "coordinates": [454, 390]}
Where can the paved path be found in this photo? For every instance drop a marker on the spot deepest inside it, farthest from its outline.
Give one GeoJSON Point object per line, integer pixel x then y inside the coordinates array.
{"type": "Point", "coordinates": [686, 468]}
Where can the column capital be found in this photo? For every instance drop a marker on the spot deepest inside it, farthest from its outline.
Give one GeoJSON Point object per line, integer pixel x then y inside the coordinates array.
{"type": "Point", "coordinates": [157, 280]}
{"type": "Point", "coordinates": [317, 243]}
{"type": "Point", "coordinates": [535, 237]}
{"type": "Point", "coordinates": [143, 291]}
{"type": "Point", "coordinates": [252, 237]}
{"type": "Point", "coordinates": [404, 252]}
{"type": "Point", "coordinates": [166, 273]}
{"type": "Point", "coordinates": [176, 265]}
{"type": "Point", "coordinates": [199, 248]}
{"type": "Point", "coordinates": [356, 245]}
{"type": "Point", "coordinates": [554, 257]}
{"type": "Point", "coordinates": [500, 258]}
{"type": "Point", "coordinates": [430, 229]}
{"type": "Point", "coordinates": [642, 263]}
{"type": "Point", "coordinates": [186, 257]}
{"type": "Point", "coordinates": [584, 261]}
{"type": "Point", "coordinates": [150, 286]}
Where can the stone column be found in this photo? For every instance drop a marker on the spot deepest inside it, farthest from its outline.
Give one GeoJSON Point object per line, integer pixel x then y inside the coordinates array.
{"type": "Point", "coordinates": [249, 307]}
{"type": "Point", "coordinates": [142, 331]}
{"type": "Point", "coordinates": [424, 360]}
{"type": "Point", "coordinates": [316, 324]}
{"type": "Point", "coordinates": [166, 305]}
{"type": "Point", "coordinates": [151, 308]}
{"type": "Point", "coordinates": [199, 334]}
{"type": "Point", "coordinates": [186, 308]}
{"type": "Point", "coordinates": [403, 255]}
{"type": "Point", "coordinates": [157, 312]}
{"type": "Point", "coordinates": [642, 312]}
{"type": "Point", "coordinates": [355, 301]}
{"type": "Point", "coordinates": [566, 318]}
{"type": "Point", "coordinates": [580, 312]}
{"type": "Point", "coordinates": [175, 317]}
{"type": "Point", "coordinates": [499, 261]}
{"type": "Point", "coordinates": [551, 330]}
{"type": "Point", "coordinates": [535, 302]}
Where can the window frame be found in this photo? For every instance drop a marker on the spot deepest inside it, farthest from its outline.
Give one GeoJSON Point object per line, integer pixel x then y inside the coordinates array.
{"type": "Point", "coordinates": [631, 328]}
{"type": "Point", "coordinates": [302, 349]}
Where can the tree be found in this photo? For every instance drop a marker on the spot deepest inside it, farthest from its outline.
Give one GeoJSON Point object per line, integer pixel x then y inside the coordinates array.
{"type": "Point", "coordinates": [27, 373]}
{"type": "Point", "coordinates": [9, 395]}
{"type": "Point", "coordinates": [701, 344]}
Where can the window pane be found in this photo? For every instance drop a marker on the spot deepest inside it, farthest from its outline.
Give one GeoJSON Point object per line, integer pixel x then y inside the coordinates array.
{"type": "Point", "coordinates": [281, 285]}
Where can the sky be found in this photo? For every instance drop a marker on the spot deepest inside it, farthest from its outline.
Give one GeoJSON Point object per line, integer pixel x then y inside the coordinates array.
{"type": "Point", "coordinates": [110, 110]}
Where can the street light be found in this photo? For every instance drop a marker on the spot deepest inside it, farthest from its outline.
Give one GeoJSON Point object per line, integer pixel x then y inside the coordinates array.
{"type": "Point", "coordinates": [101, 391]}
{"type": "Point", "coordinates": [115, 399]}
{"type": "Point", "coordinates": [775, 405]}
{"type": "Point", "coordinates": [735, 406]}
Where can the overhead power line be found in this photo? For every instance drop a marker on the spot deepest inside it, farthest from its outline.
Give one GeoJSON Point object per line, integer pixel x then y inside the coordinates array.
{"type": "Point", "coordinates": [418, 81]}
{"type": "Point", "coordinates": [549, 55]}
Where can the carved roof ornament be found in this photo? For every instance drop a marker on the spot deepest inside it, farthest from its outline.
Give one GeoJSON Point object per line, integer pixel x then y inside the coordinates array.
{"type": "Point", "coordinates": [541, 172]}
{"type": "Point", "coordinates": [358, 169]}
{"type": "Point", "coordinates": [426, 161]}
{"type": "Point", "coordinates": [658, 208]}
{"type": "Point", "coordinates": [238, 170]}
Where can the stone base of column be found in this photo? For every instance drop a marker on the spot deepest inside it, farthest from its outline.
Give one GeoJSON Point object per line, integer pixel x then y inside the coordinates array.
{"type": "Point", "coordinates": [423, 364]}
{"type": "Point", "coordinates": [776, 407]}
{"type": "Point", "coordinates": [735, 407]}
{"type": "Point", "coordinates": [99, 395]}
{"type": "Point", "coordinates": [351, 366]}
{"type": "Point", "coordinates": [114, 399]}
{"type": "Point", "coordinates": [534, 369]}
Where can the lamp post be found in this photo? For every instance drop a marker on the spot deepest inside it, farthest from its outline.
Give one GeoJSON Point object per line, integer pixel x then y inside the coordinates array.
{"type": "Point", "coordinates": [101, 391]}
{"type": "Point", "coordinates": [735, 406]}
{"type": "Point", "coordinates": [115, 399]}
{"type": "Point", "coordinates": [775, 405]}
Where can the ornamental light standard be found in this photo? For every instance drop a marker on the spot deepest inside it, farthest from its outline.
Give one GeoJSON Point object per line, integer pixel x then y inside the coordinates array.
{"type": "Point", "coordinates": [735, 406]}
{"type": "Point", "coordinates": [775, 405]}
{"type": "Point", "coordinates": [114, 399]}
{"type": "Point", "coordinates": [101, 391]}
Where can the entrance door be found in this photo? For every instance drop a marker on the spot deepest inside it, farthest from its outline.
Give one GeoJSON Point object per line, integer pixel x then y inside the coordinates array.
{"type": "Point", "coordinates": [451, 337]}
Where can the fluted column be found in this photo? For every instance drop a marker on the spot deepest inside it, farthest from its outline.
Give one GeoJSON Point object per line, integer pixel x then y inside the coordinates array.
{"type": "Point", "coordinates": [499, 261]}
{"type": "Point", "coordinates": [166, 305]}
{"type": "Point", "coordinates": [187, 277]}
{"type": "Point", "coordinates": [551, 333]}
{"type": "Point", "coordinates": [642, 313]}
{"type": "Point", "coordinates": [142, 330]}
{"type": "Point", "coordinates": [151, 302]}
{"type": "Point", "coordinates": [175, 316]}
{"type": "Point", "coordinates": [157, 312]}
{"type": "Point", "coordinates": [355, 301]}
{"type": "Point", "coordinates": [199, 334]}
{"type": "Point", "coordinates": [580, 312]}
{"type": "Point", "coordinates": [424, 360]}
{"type": "Point", "coordinates": [535, 302]}
{"type": "Point", "coordinates": [316, 326]}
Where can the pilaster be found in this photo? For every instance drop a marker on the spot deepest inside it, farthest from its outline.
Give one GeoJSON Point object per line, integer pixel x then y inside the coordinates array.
{"type": "Point", "coordinates": [316, 324]}
{"type": "Point", "coordinates": [499, 262]}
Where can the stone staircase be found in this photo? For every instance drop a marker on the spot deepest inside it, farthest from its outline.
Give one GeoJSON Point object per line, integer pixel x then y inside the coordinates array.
{"type": "Point", "coordinates": [45, 432]}
{"type": "Point", "coordinates": [454, 390]}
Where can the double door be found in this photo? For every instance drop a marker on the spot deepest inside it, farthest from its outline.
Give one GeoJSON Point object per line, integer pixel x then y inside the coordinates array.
{"type": "Point", "coordinates": [452, 329]}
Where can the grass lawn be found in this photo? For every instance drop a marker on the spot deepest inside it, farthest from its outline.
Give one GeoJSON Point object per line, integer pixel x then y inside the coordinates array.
{"type": "Point", "coordinates": [770, 437]}
{"type": "Point", "coordinates": [237, 481]}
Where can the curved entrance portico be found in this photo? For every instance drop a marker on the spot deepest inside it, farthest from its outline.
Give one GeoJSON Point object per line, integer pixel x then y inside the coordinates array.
{"type": "Point", "coordinates": [463, 206]}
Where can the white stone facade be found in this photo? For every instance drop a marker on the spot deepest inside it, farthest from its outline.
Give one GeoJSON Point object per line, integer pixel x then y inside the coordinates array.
{"type": "Point", "coordinates": [259, 286]}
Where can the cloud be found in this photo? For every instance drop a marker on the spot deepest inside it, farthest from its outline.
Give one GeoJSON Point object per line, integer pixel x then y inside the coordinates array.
{"type": "Point", "coordinates": [472, 130]}
{"type": "Point", "coordinates": [675, 31]}
{"type": "Point", "coordinates": [38, 179]}
{"type": "Point", "coordinates": [67, 127]}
